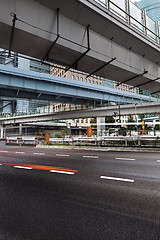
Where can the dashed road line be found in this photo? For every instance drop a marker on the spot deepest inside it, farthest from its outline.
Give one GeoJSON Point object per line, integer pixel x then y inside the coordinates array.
{"type": "Point", "coordinates": [20, 152]}
{"type": "Point", "coordinates": [54, 171]}
{"type": "Point", "coordinates": [42, 167]}
{"type": "Point", "coordinates": [117, 179]}
{"type": "Point", "coordinates": [126, 159]}
{"type": "Point", "coordinates": [90, 156]}
{"type": "Point", "coordinates": [62, 155]}
{"type": "Point", "coordinates": [39, 153]}
{"type": "Point", "coordinates": [3, 151]}
{"type": "Point", "coordinates": [29, 168]}
{"type": "Point", "coordinates": [158, 161]}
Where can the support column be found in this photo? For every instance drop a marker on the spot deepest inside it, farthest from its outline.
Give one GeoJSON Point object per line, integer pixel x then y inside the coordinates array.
{"type": "Point", "coordinates": [20, 129]}
{"type": "Point", "coordinates": [100, 126]}
{"type": "Point", "coordinates": [2, 132]}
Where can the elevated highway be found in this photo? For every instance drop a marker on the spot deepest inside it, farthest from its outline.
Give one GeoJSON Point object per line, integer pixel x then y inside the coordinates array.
{"type": "Point", "coordinates": [26, 84]}
{"type": "Point", "coordinates": [84, 35]}
{"type": "Point", "coordinates": [129, 109]}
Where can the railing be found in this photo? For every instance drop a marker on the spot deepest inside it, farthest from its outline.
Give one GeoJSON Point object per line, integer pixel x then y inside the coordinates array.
{"type": "Point", "coordinates": [134, 16]}
{"type": "Point", "coordinates": [120, 141]}
{"type": "Point", "coordinates": [22, 140]}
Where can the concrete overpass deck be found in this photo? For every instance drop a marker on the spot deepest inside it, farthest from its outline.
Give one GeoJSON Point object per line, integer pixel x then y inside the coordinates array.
{"type": "Point", "coordinates": [84, 35]}
{"type": "Point", "coordinates": [26, 84]}
{"type": "Point", "coordinates": [129, 109]}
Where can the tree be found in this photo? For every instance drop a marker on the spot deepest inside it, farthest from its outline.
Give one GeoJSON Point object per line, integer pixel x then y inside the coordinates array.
{"type": "Point", "coordinates": [157, 127]}
{"type": "Point", "coordinates": [93, 122]}
{"type": "Point", "coordinates": [109, 119]}
{"type": "Point", "coordinates": [130, 120]}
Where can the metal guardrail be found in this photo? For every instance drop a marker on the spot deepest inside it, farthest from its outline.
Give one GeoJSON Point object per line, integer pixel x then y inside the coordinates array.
{"type": "Point", "coordinates": [145, 141]}
{"type": "Point", "coordinates": [22, 140]}
{"type": "Point", "coordinates": [110, 141]}
{"type": "Point", "coordinates": [130, 13]}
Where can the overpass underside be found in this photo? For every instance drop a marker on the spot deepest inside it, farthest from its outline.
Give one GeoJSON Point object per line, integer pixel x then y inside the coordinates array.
{"type": "Point", "coordinates": [80, 34]}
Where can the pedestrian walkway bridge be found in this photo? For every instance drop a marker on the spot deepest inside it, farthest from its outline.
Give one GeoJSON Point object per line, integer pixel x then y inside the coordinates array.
{"type": "Point", "coordinates": [129, 109]}
{"type": "Point", "coordinates": [112, 39]}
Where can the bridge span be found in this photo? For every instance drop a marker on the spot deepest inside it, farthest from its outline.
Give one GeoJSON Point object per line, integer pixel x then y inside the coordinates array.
{"type": "Point", "coordinates": [27, 84]}
{"type": "Point", "coordinates": [84, 35]}
{"type": "Point", "coordinates": [129, 109]}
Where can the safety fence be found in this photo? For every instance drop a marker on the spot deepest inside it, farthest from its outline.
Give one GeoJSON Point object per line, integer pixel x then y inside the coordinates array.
{"type": "Point", "coordinates": [130, 13]}
{"type": "Point", "coordinates": [22, 140]}
{"type": "Point", "coordinates": [135, 141]}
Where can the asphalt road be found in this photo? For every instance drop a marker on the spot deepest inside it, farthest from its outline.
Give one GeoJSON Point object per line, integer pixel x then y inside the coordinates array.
{"type": "Point", "coordinates": [78, 194]}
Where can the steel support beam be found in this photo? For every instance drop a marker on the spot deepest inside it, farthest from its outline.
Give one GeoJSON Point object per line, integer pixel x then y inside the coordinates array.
{"type": "Point", "coordinates": [104, 65]}
{"type": "Point", "coordinates": [5, 105]}
{"type": "Point", "coordinates": [155, 92]}
{"type": "Point", "coordinates": [142, 84]}
{"type": "Point", "coordinates": [46, 57]}
{"type": "Point", "coordinates": [83, 54]}
{"type": "Point", "coordinates": [12, 32]}
{"type": "Point", "coordinates": [138, 75]}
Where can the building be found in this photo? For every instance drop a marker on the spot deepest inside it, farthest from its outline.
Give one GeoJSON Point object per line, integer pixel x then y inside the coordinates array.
{"type": "Point", "coordinates": [152, 8]}
{"type": "Point", "coordinates": [76, 75]}
{"type": "Point", "coordinates": [23, 62]}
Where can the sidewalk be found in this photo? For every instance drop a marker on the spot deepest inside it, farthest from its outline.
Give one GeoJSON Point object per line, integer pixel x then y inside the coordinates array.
{"type": "Point", "coordinates": [95, 148]}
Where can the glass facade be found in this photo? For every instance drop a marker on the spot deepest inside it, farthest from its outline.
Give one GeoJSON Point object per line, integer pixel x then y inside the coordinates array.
{"type": "Point", "coordinates": [131, 12]}
{"type": "Point", "coordinates": [116, 6]}
{"type": "Point", "coordinates": [136, 17]}
{"type": "Point", "coordinates": [152, 8]}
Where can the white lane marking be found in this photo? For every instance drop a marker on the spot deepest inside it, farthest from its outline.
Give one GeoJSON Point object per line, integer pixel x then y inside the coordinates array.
{"type": "Point", "coordinates": [0, 164]}
{"type": "Point", "coordinates": [100, 150]}
{"type": "Point", "coordinates": [117, 179]}
{"type": "Point", "coordinates": [90, 156]}
{"type": "Point", "coordinates": [54, 171]}
{"type": "Point", "coordinates": [126, 159]}
{"type": "Point", "coordinates": [19, 152]}
{"type": "Point", "coordinates": [158, 161]}
{"type": "Point", "coordinates": [23, 167]}
{"type": "Point", "coordinates": [39, 153]}
{"type": "Point", "coordinates": [3, 151]}
{"type": "Point", "coordinates": [62, 155]}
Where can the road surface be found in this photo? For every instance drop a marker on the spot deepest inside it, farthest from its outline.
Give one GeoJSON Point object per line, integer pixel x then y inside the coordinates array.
{"type": "Point", "coordinates": [78, 194]}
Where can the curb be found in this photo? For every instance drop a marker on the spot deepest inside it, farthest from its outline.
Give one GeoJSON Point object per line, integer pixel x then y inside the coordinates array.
{"type": "Point", "coordinates": [118, 149]}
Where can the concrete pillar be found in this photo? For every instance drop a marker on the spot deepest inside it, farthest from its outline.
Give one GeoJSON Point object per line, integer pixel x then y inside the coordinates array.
{"type": "Point", "coordinates": [20, 129]}
{"type": "Point", "coordinates": [2, 132]}
{"type": "Point", "coordinates": [100, 126]}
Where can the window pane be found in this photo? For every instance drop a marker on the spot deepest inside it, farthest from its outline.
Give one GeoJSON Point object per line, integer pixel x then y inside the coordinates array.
{"type": "Point", "coordinates": [136, 13]}
{"type": "Point", "coordinates": [151, 25]}
{"type": "Point", "coordinates": [116, 6]}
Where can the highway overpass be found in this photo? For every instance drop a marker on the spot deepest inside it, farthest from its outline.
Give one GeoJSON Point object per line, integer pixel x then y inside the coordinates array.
{"type": "Point", "coordinates": [84, 35]}
{"type": "Point", "coordinates": [128, 109]}
{"type": "Point", "coordinates": [26, 84]}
